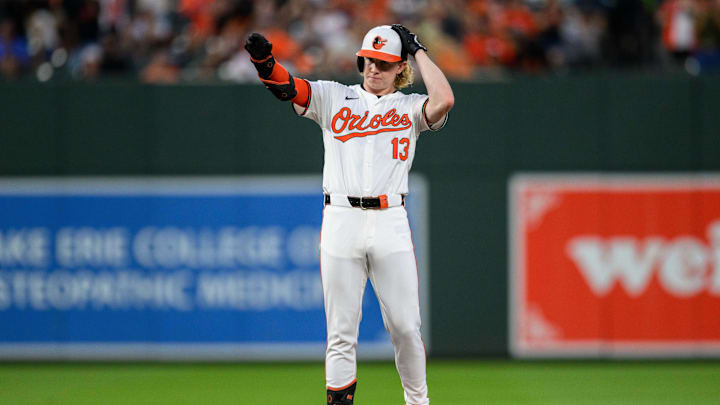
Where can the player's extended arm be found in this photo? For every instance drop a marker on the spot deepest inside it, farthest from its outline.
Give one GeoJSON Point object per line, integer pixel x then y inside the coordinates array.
{"type": "Point", "coordinates": [440, 94]}
{"type": "Point", "coordinates": [273, 75]}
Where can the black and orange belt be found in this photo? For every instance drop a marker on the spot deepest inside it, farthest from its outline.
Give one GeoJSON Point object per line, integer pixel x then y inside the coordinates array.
{"type": "Point", "coordinates": [379, 202]}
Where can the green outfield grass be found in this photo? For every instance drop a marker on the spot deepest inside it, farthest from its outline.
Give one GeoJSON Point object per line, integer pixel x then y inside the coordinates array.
{"type": "Point", "coordinates": [451, 382]}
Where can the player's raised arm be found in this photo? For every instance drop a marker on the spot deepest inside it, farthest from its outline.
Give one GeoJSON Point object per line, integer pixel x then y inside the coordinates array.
{"type": "Point", "coordinates": [273, 75]}
{"type": "Point", "coordinates": [441, 98]}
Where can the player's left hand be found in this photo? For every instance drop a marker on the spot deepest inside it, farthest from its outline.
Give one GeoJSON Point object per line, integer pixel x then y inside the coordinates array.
{"type": "Point", "coordinates": [258, 46]}
{"type": "Point", "coordinates": [409, 39]}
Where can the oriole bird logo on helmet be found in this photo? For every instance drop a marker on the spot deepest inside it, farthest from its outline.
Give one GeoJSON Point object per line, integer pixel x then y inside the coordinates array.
{"type": "Point", "coordinates": [378, 42]}
{"type": "Point", "coordinates": [381, 42]}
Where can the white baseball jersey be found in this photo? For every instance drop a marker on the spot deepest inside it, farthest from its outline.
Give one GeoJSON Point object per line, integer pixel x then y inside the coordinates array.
{"type": "Point", "coordinates": [369, 140]}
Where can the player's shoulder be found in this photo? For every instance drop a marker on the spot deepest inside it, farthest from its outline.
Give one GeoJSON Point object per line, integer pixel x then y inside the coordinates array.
{"type": "Point", "coordinates": [414, 96]}
{"type": "Point", "coordinates": [329, 84]}
{"type": "Point", "coordinates": [409, 98]}
{"type": "Point", "coordinates": [334, 88]}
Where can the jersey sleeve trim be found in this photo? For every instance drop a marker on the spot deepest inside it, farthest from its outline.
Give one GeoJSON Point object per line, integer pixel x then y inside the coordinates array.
{"type": "Point", "coordinates": [442, 121]}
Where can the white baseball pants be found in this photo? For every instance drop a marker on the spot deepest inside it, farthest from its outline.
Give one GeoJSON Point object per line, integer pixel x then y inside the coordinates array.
{"type": "Point", "coordinates": [355, 245]}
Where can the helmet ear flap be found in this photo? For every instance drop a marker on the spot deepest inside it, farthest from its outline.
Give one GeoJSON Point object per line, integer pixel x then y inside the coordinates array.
{"type": "Point", "coordinates": [361, 63]}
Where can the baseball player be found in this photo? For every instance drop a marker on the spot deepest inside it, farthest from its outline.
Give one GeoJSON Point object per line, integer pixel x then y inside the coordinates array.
{"type": "Point", "coordinates": [370, 132]}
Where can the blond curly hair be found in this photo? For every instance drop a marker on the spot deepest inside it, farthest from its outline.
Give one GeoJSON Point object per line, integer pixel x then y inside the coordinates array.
{"type": "Point", "coordinates": [405, 78]}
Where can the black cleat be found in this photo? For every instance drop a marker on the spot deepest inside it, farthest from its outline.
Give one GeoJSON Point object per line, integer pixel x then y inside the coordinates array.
{"type": "Point", "coordinates": [342, 397]}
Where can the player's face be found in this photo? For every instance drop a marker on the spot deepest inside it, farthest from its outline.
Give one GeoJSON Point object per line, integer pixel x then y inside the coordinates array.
{"type": "Point", "coordinates": [379, 76]}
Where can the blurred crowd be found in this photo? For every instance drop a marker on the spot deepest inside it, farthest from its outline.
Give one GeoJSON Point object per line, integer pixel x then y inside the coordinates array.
{"type": "Point", "coordinates": [169, 41]}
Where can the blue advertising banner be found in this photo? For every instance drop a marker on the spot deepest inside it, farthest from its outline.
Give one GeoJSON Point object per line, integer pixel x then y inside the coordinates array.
{"type": "Point", "coordinates": [208, 268]}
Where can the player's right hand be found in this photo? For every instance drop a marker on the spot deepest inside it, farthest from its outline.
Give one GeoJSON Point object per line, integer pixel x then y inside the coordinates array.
{"type": "Point", "coordinates": [258, 46]}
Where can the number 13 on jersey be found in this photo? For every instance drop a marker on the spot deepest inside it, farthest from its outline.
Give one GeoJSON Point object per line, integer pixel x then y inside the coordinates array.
{"type": "Point", "coordinates": [403, 143]}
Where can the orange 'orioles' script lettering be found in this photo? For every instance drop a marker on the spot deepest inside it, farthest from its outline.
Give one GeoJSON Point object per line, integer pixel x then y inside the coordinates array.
{"type": "Point", "coordinates": [345, 119]}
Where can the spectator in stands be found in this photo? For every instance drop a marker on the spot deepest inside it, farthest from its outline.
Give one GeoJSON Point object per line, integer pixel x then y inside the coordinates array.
{"type": "Point", "coordinates": [677, 18]}
{"type": "Point", "coordinates": [13, 49]}
{"type": "Point", "coordinates": [485, 47]}
{"type": "Point", "coordinates": [708, 35]}
{"type": "Point", "coordinates": [581, 33]}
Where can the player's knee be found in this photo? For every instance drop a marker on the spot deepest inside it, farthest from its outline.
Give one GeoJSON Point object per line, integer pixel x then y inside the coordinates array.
{"type": "Point", "coordinates": [405, 331]}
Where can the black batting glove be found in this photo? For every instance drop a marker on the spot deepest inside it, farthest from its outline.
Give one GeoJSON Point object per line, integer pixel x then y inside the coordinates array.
{"type": "Point", "coordinates": [258, 46]}
{"type": "Point", "coordinates": [409, 40]}
{"type": "Point", "coordinates": [260, 49]}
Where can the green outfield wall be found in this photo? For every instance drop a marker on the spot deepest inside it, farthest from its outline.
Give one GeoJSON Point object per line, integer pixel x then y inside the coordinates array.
{"type": "Point", "coordinates": [607, 123]}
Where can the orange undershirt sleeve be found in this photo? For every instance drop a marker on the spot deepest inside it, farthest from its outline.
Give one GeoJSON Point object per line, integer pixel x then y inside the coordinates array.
{"type": "Point", "coordinates": [279, 74]}
{"type": "Point", "coordinates": [303, 92]}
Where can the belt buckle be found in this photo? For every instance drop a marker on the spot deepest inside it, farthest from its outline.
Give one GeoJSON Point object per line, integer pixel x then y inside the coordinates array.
{"type": "Point", "coordinates": [362, 207]}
